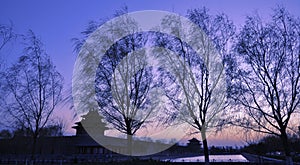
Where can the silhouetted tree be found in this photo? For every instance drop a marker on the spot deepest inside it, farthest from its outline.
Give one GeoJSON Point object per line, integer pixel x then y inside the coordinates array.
{"type": "Point", "coordinates": [271, 144]}
{"type": "Point", "coordinates": [33, 88]}
{"type": "Point", "coordinates": [266, 81]}
{"type": "Point", "coordinates": [198, 100]}
{"type": "Point", "coordinates": [6, 36]}
{"type": "Point", "coordinates": [22, 131]}
{"type": "Point", "coordinates": [52, 130]}
{"type": "Point", "coordinates": [124, 81]}
{"type": "Point", "coordinates": [123, 91]}
{"type": "Point", "coordinates": [5, 134]}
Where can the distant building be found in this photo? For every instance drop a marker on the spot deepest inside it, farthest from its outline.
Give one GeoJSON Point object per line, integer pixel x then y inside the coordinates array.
{"type": "Point", "coordinates": [82, 145]}
{"type": "Point", "coordinates": [194, 144]}
{"type": "Point", "coordinates": [91, 120]}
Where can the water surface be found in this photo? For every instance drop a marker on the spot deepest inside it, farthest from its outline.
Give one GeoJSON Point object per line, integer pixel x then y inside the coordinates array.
{"type": "Point", "coordinates": [212, 158]}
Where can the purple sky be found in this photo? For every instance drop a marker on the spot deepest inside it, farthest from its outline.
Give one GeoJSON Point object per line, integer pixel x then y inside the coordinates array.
{"type": "Point", "coordinates": [57, 21]}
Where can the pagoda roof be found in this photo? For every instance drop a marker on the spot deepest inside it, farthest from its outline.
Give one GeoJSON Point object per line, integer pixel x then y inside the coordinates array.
{"type": "Point", "coordinates": [193, 140]}
{"type": "Point", "coordinates": [91, 119]}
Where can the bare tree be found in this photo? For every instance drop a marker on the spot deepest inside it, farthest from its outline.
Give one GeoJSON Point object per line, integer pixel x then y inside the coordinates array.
{"type": "Point", "coordinates": [124, 82]}
{"type": "Point", "coordinates": [6, 36]}
{"type": "Point", "coordinates": [123, 89]}
{"type": "Point", "coordinates": [266, 80]}
{"type": "Point", "coordinates": [33, 88]}
{"type": "Point", "coordinates": [199, 99]}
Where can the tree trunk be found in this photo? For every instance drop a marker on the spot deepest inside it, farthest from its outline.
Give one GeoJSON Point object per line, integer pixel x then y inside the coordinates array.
{"type": "Point", "coordinates": [205, 148]}
{"type": "Point", "coordinates": [33, 149]}
{"type": "Point", "coordinates": [129, 144]}
{"type": "Point", "coordinates": [287, 148]}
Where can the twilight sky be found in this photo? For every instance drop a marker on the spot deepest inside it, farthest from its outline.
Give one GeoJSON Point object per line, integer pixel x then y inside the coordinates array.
{"type": "Point", "coordinates": [56, 22]}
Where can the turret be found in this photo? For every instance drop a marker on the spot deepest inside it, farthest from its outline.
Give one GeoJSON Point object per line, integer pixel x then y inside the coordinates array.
{"type": "Point", "coordinates": [92, 122]}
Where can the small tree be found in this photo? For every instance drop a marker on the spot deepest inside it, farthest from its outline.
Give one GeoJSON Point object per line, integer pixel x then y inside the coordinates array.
{"type": "Point", "coordinates": [52, 130]}
{"type": "Point", "coordinates": [33, 88]}
{"type": "Point", "coordinates": [5, 134]}
{"type": "Point", "coordinates": [266, 81]}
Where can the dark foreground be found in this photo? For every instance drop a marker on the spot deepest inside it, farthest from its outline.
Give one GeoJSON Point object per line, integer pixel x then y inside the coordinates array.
{"type": "Point", "coordinates": [253, 160]}
{"type": "Point", "coordinates": [147, 162]}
